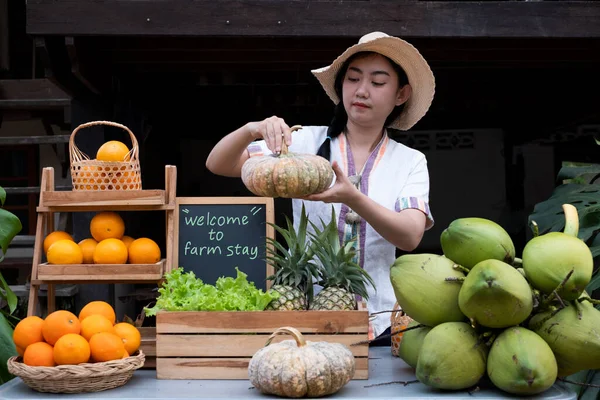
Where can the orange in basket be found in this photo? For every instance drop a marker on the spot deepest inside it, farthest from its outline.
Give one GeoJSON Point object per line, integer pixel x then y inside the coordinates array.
{"type": "Point", "coordinates": [114, 168]}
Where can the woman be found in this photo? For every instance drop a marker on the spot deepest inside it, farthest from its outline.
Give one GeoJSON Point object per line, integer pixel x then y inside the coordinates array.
{"type": "Point", "coordinates": [381, 188]}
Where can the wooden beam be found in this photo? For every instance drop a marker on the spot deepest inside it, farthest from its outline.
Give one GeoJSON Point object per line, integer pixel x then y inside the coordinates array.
{"type": "Point", "coordinates": [31, 94]}
{"type": "Point", "coordinates": [314, 18]}
{"type": "Point", "coordinates": [76, 68]}
{"type": "Point", "coordinates": [24, 140]}
{"type": "Point", "coordinates": [56, 60]}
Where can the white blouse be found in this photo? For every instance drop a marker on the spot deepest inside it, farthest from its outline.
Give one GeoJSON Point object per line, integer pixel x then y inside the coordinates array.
{"type": "Point", "coordinates": [394, 176]}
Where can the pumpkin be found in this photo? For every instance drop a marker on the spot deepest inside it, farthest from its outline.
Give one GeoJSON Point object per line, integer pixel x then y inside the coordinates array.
{"type": "Point", "coordinates": [299, 368]}
{"type": "Point", "coordinates": [289, 175]}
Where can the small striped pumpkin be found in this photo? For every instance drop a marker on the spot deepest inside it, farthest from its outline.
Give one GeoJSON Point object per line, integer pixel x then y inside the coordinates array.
{"type": "Point", "coordinates": [289, 175]}
{"type": "Point", "coordinates": [299, 368]}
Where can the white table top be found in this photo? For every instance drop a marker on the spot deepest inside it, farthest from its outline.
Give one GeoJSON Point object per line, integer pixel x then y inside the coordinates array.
{"type": "Point", "coordinates": [383, 367]}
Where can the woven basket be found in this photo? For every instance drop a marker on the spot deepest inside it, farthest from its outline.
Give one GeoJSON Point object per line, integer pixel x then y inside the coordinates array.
{"type": "Point", "coordinates": [87, 174]}
{"type": "Point", "coordinates": [81, 378]}
{"type": "Point", "coordinates": [399, 321]}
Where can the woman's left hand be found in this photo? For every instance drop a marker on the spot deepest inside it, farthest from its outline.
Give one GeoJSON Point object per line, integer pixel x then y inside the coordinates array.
{"type": "Point", "coordinates": [341, 191]}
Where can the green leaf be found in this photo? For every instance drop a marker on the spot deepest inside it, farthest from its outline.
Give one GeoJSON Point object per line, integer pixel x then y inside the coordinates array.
{"type": "Point", "coordinates": [7, 348]}
{"type": "Point", "coordinates": [594, 283]}
{"type": "Point", "coordinates": [182, 291]}
{"type": "Point", "coordinates": [8, 294]}
{"type": "Point", "coordinates": [572, 172]}
{"type": "Point", "coordinates": [590, 377]}
{"type": "Point", "coordinates": [10, 225]}
{"type": "Point", "coordinates": [550, 217]}
{"type": "Point", "coordinates": [2, 196]}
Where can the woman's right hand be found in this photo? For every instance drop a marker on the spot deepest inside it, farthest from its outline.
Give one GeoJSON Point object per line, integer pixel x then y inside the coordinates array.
{"type": "Point", "coordinates": [273, 130]}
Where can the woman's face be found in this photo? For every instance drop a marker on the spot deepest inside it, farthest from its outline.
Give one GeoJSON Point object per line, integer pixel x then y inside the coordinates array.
{"type": "Point", "coordinates": [370, 90]}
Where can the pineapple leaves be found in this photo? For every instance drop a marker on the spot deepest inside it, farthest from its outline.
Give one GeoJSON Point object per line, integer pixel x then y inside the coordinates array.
{"type": "Point", "coordinates": [316, 256]}
{"type": "Point", "coordinates": [293, 262]}
{"type": "Point", "coordinates": [338, 267]}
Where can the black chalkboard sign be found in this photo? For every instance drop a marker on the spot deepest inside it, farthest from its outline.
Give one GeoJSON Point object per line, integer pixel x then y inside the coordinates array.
{"type": "Point", "coordinates": [213, 235]}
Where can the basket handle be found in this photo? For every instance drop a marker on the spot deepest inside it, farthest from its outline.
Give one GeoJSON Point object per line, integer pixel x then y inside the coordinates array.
{"type": "Point", "coordinates": [74, 152]}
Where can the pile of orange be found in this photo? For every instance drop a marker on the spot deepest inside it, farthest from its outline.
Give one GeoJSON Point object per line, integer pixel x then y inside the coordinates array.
{"type": "Point", "coordinates": [63, 338]}
{"type": "Point", "coordinates": [108, 244]}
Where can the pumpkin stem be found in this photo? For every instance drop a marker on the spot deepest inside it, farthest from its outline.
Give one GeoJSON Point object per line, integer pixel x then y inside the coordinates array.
{"type": "Point", "coordinates": [284, 148]}
{"type": "Point", "coordinates": [290, 331]}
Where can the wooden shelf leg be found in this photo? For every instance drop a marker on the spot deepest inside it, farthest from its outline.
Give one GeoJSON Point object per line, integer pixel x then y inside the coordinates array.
{"type": "Point", "coordinates": [171, 193]}
{"type": "Point", "coordinates": [33, 300]}
{"type": "Point", "coordinates": [44, 222]}
{"type": "Point", "coordinates": [51, 298]}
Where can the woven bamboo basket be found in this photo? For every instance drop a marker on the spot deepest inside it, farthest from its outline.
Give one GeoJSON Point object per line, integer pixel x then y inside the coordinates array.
{"type": "Point", "coordinates": [81, 378]}
{"type": "Point", "coordinates": [399, 321]}
{"type": "Point", "coordinates": [91, 174]}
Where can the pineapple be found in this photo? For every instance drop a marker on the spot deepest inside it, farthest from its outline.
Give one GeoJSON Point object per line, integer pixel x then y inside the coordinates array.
{"type": "Point", "coordinates": [294, 269]}
{"type": "Point", "coordinates": [341, 277]}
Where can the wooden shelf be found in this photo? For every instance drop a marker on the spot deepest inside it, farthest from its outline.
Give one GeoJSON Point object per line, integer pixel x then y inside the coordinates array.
{"type": "Point", "coordinates": [52, 201]}
{"type": "Point", "coordinates": [105, 200]}
{"type": "Point", "coordinates": [62, 273]}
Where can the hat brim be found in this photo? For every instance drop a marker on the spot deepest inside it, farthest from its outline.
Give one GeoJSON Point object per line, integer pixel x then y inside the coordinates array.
{"type": "Point", "coordinates": [404, 54]}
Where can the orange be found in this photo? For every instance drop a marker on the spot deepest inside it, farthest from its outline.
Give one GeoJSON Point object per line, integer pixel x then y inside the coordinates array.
{"type": "Point", "coordinates": [39, 354]}
{"type": "Point", "coordinates": [95, 324]}
{"type": "Point", "coordinates": [130, 335]}
{"type": "Point", "coordinates": [28, 331]}
{"type": "Point", "coordinates": [126, 354]}
{"type": "Point", "coordinates": [71, 349]}
{"type": "Point", "coordinates": [53, 237]}
{"type": "Point", "coordinates": [87, 248]}
{"type": "Point", "coordinates": [110, 251]}
{"type": "Point", "coordinates": [21, 352]}
{"type": "Point", "coordinates": [113, 151]}
{"type": "Point", "coordinates": [64, 251]}
{"type": "Point", "coordinates": [98, 307]}
{"type": "Point", "coordinates": [58, 324]}
{"type": "Point", "coordinates": [127, 240]}
{"type": "Point", "coordinates": [107, 225]}
{"type": "Point", "coordinates": [85, 174]}
{"type": "Point", "coordinates": [106, 346]}
{"type": "Point", "coordinates": [125, 178]}
{"type": "Point", "coordinates": [144, 251]}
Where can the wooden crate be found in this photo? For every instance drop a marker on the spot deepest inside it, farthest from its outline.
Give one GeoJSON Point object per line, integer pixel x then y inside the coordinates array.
{"type": "Point", "coordinates": [219, 345]}
{"type": "Point", "coordinates": [148, 346]}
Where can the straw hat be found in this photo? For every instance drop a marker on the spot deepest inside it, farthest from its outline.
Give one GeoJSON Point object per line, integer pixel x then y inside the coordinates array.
{"type": "Point", "coordinates": [404, 54]}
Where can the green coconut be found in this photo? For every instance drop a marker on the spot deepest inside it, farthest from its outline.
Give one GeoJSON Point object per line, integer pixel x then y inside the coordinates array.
{"type": "Point", "coordinates": [411, 343]}
{"type": "Point", "coordinates": [573, 334]}
{"type": "Point", "coordinates": [521, 362]}
{"type": "Point", "coordinates": [495, 295]}
{"type": "Point", "coordinates": [468, 241]}
{"type": "Point", "coordinates": [419, 282]}
{"type": "Point", "coordinates": [548, 259]}
{"type": "Point", "coordinates": [451, 357]}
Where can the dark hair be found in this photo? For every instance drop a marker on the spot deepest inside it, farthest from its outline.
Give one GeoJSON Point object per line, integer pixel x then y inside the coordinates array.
{"type": "Point", "coordinates": [340, 118]}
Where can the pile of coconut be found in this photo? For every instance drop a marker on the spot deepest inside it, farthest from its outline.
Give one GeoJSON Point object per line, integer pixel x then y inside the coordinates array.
{"type": "Point", "coordinates": [479, 311]}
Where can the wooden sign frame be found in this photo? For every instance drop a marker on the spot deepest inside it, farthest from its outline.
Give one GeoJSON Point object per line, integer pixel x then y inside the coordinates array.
{"type": "Point", "coordinates": [268, 202]}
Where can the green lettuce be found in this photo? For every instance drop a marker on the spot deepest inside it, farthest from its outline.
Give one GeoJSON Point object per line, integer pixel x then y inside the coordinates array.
{"type": "Point", "coordinates": [183, 291]}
